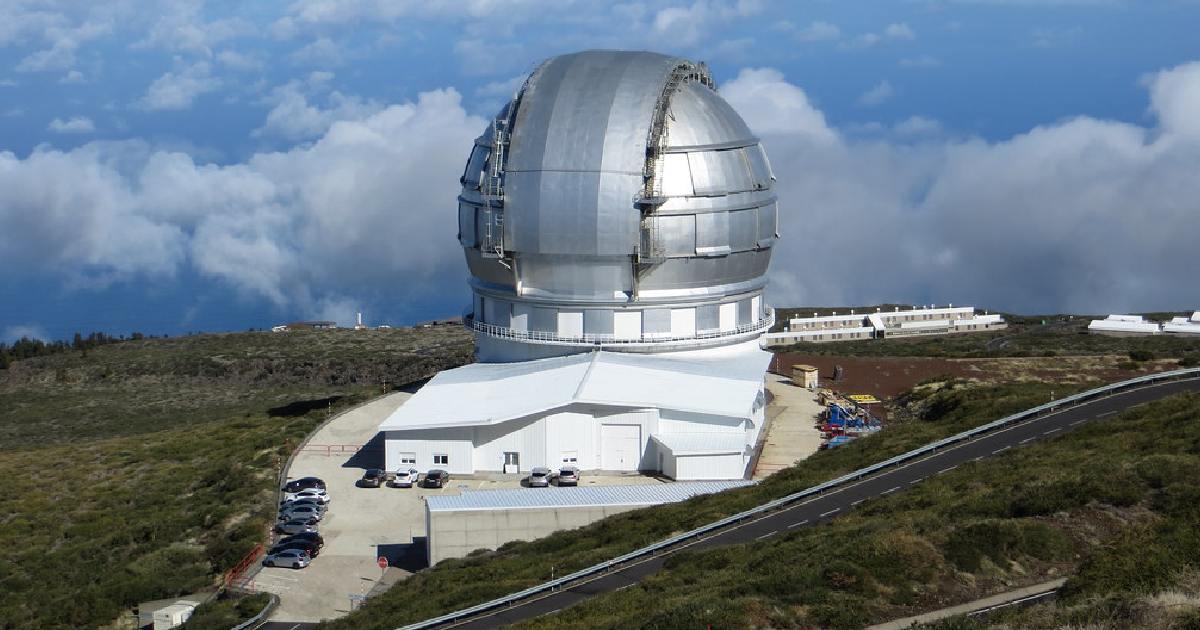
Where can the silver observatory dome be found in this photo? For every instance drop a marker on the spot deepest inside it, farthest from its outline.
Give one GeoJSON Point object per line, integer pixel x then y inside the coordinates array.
{"type": "Point", "coordinates": [616, 201]}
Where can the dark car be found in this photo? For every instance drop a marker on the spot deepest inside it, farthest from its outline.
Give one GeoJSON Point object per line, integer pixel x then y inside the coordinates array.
{"type": "Point", "coordinates": [312, 537]}
{"type": "Point", "coordinates": [372, 478]}
{"type": "Point", "coordinates": [307, 546]}
{"type": "Point", "coordinates": [303, 483]}
{"type": "Point", "coordinates": [436, 478]}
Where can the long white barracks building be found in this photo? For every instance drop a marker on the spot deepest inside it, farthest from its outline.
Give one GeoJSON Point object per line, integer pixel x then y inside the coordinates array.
{"type": "Point", "coordinates": [618, 219]}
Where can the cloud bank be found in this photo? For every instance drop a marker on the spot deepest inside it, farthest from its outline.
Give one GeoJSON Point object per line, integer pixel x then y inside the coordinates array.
{"type": "Point", "coordinates": [1082, 215]}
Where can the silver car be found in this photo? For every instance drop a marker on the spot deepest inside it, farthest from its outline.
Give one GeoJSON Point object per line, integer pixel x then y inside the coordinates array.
{"type": "Point", "coordinates": [296, 526]}
{"type": "Point", "coordinates": [568, 476]}
{"type": "Point", "coordinates": [301, 511]}
{"type": "Point", "coordinates": [538, 478]}
{"type": "Point", "coordinates": [295, 558]}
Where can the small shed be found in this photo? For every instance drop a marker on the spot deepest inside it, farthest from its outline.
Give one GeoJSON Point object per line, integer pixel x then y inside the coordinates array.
{"type": "Point", "coordinates": [804, 376]}
{"type": "Point", "coordinates": [696, 456]}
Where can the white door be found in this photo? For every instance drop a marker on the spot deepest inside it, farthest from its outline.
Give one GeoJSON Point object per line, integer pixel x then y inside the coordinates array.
{"type": "Point", "coordinates": [620, 446]}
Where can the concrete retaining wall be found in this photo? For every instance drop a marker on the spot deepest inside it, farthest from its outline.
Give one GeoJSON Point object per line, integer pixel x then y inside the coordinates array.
{"type": "Point", "coordinates": [456, 534]}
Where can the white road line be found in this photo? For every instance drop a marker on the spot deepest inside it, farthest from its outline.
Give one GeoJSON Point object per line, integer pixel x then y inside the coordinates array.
{"type": "Point", "coordinates": [767, 535]}
{"type": "Point", "coordinates": [1079, 422]}
{"type": "Point", "coordinates": [829, 512]}
{"type": "Point", "coordinates": [917, 480]}
{"type": "Point", "coordinates": [1106, 413]}
{"type": "Point", "coordinates": [1026, 440]}
{"type": "Point", "coordinates": [853, 503]}
{"type": "Point", "coordinates": [889, 491]}
{"type": "Point", "coordinates": [627, 586]}
{"type": "Point", "coordinates": [946, 470]}
{"type": "Point", "coordinates": [1000, 450]}
{"type": "Point", "coordinates": [977, 458]}
{"type": "Point", "coordinates": [1051, 431]}
{"type": "Point", "coordinates": [797, 524]}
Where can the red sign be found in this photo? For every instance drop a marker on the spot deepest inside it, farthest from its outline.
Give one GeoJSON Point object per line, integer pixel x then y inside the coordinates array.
{"type": "Point", "coordinates": [382, 562]}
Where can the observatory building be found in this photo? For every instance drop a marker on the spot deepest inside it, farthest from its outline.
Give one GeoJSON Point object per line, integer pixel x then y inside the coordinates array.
{"type": "Point", "coordinates": [617, 218]}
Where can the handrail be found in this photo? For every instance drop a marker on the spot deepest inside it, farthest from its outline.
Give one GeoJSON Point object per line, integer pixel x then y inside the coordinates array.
{"type": "Point", "coordinates": [792, 498]}
{"type": "Point", "coordinates": [605, 339]}
{"type": "Point", "coordinates": [256, 620]}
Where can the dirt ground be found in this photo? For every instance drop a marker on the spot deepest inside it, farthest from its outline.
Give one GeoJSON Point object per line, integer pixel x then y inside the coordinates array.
{"type": "Point", "coordinates": [888, 377]}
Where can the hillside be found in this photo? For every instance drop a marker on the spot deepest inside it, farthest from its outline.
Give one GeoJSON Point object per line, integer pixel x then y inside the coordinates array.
{"type": "Point", "coordinates": [143, 469]}
{"type": "Point", "coordinates": [1045, 510]}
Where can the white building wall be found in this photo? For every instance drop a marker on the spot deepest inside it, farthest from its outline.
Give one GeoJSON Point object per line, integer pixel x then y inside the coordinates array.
{"type": "Point", "coordinates": [454, 442]}
{"type": "Point", "coordinates": [672, 421]}
{"type": "Point", "coordinates": [525, 436]}
{"type": "Point", "coordinates": [647, 419]}
{"type": "Point", "coordinates": [701, 467]}
{"type": "Point", "coordinates": [576, 431]}
{"type": "Point", "coordinates": [627, 324]}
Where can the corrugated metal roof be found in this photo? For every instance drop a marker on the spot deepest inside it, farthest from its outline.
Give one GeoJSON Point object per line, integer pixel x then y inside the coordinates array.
{"type": "Point", "coordinates": [697, 443]}
{"type": "Point", "coordinates": [721, 381]}
{"type": "Point", "coordinates": [584, 496]}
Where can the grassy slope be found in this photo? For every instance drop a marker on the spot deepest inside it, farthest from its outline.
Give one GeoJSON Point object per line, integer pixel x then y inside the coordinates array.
{"type": "Point", "coordinates": [144, 469]}
{"type": "Point", "coordinates": [458, 583]}
{"type": "Point", "coordinates": [1116, 500]}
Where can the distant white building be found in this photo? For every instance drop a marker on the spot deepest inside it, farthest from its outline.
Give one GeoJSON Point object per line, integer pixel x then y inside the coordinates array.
{"type": "Point", "coordinates": [1184, 325]}
{"type": "Point", "coordinates": [884, 324]}
{"type": "Point", "coordinates": [1124, 326]}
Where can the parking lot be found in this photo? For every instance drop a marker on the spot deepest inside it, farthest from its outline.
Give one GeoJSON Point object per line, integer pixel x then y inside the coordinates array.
{"type": "Point", "coordinates": [365, 523]}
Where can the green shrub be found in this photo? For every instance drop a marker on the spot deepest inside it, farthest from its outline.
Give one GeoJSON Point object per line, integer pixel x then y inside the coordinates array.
{"type": "Point", "coordinates": [1001, 541]}
{"type": "Point", "coordinates": [1141, 355]}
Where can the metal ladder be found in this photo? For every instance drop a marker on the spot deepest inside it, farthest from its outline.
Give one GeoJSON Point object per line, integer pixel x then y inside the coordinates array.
{"type": "Point", "coordinates": [492, 190]}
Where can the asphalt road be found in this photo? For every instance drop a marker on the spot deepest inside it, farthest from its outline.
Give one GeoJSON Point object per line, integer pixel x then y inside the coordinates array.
{"type": "Point", "coordinates": [834, 502]}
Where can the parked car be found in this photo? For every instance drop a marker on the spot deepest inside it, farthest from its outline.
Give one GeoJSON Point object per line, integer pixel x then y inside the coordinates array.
{"type": "Point", "coordinates": [295, 558]}
{"type": "Point", "coordinates": [310, 493]}
{"type": "Point", "coordinates": [567, 476]}
{"type": "Point", "coordinates": [312, 537]}
{"type": "Point", "coordinates": [298, 525]}
{"type": "Point", "coordinates": [301, 511]}
{"type": "Point", "coordinates": [287, 506]}
{"type": "Point", "coordinates": [307, 546]}
{"type": "Point", "coordinates": [303, 483]}
{"type": "Point", "coordinates": [436, 478]}
{"type": "Point", "coordinates": [372, 478]}
{"type": "Point", "coordinates": [539, 477]}
{"type": "Point", "coordinates": [405, 478]}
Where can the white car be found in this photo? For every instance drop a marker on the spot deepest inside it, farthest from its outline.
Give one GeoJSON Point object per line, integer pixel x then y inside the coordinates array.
{"type": "Point", "coordinates": [406, 478]}
{"type": "Point", "coordinates": [318, 494]}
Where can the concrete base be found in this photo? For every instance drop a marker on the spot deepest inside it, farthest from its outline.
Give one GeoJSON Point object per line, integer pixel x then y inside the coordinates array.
{"type": "Point", "coordinates": [457, 534]}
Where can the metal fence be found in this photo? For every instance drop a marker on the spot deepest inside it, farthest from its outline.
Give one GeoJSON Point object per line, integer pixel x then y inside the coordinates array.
{"type": "Point", "coordinates": [703, 530]}
{"type": "Point", "coordinates": [609, 339]}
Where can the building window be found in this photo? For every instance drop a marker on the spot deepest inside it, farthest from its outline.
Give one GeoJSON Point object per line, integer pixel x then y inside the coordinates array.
{"type": "Point", "coordinates": [408, 459]}
{"type": "Point", "coordinates": [570, 457]}
{"type": "Point", "coordinates": [441, 458]}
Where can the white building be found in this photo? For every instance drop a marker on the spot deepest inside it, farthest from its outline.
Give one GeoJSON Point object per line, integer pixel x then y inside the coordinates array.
{"type": "Point", "coordinates": [883, 324]}
{"type": "Point", "coordinates": [1124, 326]}
{"type": "Point", "coordinates": [693, 415]}
{"type": "Point", "coordinates": [1184, 325]}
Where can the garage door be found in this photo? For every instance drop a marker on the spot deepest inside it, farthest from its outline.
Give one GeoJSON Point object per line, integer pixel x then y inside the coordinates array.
{"type": "Point", "coordinates": [620, 446]}
{"type": "Point", "coordinates": [698, 467]}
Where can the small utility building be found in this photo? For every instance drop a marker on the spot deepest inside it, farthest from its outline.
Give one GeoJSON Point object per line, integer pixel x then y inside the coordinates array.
{"type": "Point", "coordinates": [690, 414]}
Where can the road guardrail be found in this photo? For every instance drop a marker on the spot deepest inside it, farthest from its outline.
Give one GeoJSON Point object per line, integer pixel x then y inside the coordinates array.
{"type": "Point", "coordinates": [700, 532]}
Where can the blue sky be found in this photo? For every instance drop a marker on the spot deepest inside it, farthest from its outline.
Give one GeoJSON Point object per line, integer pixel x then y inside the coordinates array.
{"type": "Point", "coordinates": [185, 166]}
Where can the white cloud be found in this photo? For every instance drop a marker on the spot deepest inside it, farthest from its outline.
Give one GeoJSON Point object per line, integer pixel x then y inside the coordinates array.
{"type": "Point", "coordinates": [307, 228]}
{"type": "Point", "coordinates": [819, 31]}
{"type": "Point", "coordinates": [23, 331]}
{"type": "Point", "coordinates": [776, 106]}
{"type": "Point", "coordinates": [76, 124]}
{"type": "Point", "coordinates": [686, 25]}
{"type": "Point", "coordinates": [881, 93]}
{"type": "Point", "coordinates": [1083, 215]}
{"type": "Point", "coordinates": [920, 61]}
{"type": "Point", "coordinates": [74, 77]}
{"type": "Point", "coordinates": [182, 28]}
{"type": "Point", "coordinates": [177, 90]}
{"type": "Point", "coordinates": [64, 42]}
{"type": "Point", "coordinates": [240, 62]}
{"type": "Point", "coordinates": [917, 126]}
{"type": "Point", "coordinates": [8, 83]}
{"type": "Point", "coordinates": [293, 117]}
{"type": "Point", "coordinates": [321, 52]}
{"type": "Point", "coordinates": [899, 30]}
{"type": "Point", "coordinates": [1175, 99]}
